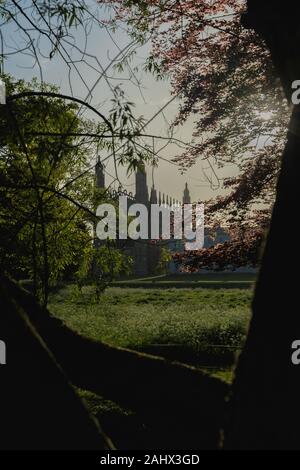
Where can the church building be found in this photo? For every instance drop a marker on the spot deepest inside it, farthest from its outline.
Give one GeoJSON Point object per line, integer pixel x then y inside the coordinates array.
{"type": "Point", "coordinates": [145, 253]}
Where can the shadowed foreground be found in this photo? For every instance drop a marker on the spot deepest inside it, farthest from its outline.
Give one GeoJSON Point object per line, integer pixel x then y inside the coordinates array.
{"type": "Point", "coordinates": [183, 407]}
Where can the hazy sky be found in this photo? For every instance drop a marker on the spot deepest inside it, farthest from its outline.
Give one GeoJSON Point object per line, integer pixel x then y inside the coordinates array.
{"type": "Point", "coordinates": [154, 95]}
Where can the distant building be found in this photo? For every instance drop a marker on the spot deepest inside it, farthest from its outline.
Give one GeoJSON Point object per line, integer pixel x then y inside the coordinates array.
{"type": "Point", "coordinates": [186, 195]}
{"type": "Point", "coordinates": [214, 237]}
{"type": "Point", "coordinates": [145, 253]}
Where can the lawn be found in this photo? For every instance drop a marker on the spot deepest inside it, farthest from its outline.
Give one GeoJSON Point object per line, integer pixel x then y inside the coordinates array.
{"type": "Point", "coordinates": [202, 326]}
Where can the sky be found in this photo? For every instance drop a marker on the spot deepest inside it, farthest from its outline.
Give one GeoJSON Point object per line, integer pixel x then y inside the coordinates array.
{"type": "Point", "coordinates": [101, 47]}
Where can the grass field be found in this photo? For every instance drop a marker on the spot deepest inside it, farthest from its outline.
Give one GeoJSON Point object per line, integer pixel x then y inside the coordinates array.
{"type": "Point", "coordinates": [192, 325]}
{"type": "Point", "coordinates": [201, 326]}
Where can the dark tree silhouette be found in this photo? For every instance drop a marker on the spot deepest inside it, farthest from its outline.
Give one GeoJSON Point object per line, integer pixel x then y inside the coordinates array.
{"type": "Point", "coordinates": [265, 401]}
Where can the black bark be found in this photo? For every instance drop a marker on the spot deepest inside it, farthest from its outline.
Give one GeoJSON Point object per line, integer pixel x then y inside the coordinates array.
{"type": "Point", "coordinates": [39, 409]}
{"type": "Point", "coordinates": [265, 410]}
{"type": "Point", "coordinates": [182, 406]}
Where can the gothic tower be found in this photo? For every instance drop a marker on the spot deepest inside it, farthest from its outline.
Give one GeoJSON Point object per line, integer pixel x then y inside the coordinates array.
{"type": "Point", "coordinates": [141, 247]}
{"type": "Point", "coordinates": [186, 195]}
{"type": "Point", "coordinates": [99, 173]}
{"type": "Point", "coordinates": [99, 184]}
{"type": "Point", "coordinates": [141, 188]}
{"type": "Point", "coordinates": [153, 196]}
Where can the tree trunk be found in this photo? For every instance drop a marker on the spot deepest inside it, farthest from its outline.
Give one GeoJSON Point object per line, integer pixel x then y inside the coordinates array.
{"type": "Point", "coordinates": [265, 412]}
{"type": "Point", "coordinates": [39, 409]}
{"type": "Point", "coordinates": [182, 406]}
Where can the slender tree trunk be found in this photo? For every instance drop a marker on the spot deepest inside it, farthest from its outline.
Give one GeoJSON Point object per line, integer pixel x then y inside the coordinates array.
{"type": "Point", "coordinates": [265, 410]}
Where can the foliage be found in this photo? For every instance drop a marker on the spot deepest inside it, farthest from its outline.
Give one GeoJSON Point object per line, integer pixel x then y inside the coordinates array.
{"type": "Point", "coordinates": [243, 249]}
{"type": "Point", "coordinates": [41, 230]}
{"type": "Point", "coordinates": [53, 19]}
{"type": "Point", "coordinates": [47, 196]}
{"type": "Point", "coordinates": [126, 126]}
{"type": "Point", "coordinates": [164, 260]}
{"type": "Point", "coordinates": [100, 266]}
{"type": "Point", "coordinates": [225, 79]}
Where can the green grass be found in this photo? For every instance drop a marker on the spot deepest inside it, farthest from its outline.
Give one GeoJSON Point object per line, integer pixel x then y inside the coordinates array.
{"type": "Point", "coordinates": [190, 324]}
{"type": "Point", "coordinates": [138, 318]}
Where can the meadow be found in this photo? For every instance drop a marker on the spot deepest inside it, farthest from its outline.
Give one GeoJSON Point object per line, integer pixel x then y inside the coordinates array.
{"type": "Point", "coordinates": [205, 327]}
